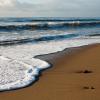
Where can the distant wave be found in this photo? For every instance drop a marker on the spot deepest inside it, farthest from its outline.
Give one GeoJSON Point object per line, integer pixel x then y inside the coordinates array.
{"type": "Point", "coordinates": [94, 35]}
{"type": "Point", "coordinates": [48, 25]}
{"type": "Point", "coordinates": [42, 19]}
{"type": "Point", "coordinates": [64, 19]}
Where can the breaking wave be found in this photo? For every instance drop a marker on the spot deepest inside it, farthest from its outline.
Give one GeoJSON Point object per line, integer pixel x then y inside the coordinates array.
{"type": "Point", "coordinates": [39, 39]}
{"type": "Point", "coordinates": [48, 25]}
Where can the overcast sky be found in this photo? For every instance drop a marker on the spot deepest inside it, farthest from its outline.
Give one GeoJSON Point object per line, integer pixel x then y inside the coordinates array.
{"type": "Point", "coordinates": [51, 8]}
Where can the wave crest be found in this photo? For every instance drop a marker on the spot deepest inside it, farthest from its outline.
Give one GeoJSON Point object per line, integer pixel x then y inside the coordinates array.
{"type": "Point", "coordinates": [48, 25]}
{"type": "Point", "coordinates": [39, 39]}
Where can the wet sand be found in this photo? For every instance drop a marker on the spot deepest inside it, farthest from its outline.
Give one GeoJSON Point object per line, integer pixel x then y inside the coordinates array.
{"type": "Point", "coordinates": [75, 75]}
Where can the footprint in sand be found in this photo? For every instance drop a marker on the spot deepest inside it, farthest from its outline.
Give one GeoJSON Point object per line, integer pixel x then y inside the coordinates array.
{"type": "Point", "coordinates": [85, 71]}
{"type": "Point", "coordinates": [87, 87]}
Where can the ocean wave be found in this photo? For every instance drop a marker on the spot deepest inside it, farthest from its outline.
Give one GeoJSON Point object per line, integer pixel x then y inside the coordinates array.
{"type": "Point", "coordinates": [48, 25]}
{"type": "Point", "coordinates": [45, 38]}
{"type": "Point", "coordinates": [42, 19]}
{"type": "Point", "coordinates": [91, 35]}
{"type": "Point", "coordinates": [39, 39]}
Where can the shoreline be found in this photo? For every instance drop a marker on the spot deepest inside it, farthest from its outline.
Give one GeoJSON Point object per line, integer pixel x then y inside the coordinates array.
{"type": "Point", "coordinates": [48, 58]}
{"type": "Point", "coordinates": [59, 56]}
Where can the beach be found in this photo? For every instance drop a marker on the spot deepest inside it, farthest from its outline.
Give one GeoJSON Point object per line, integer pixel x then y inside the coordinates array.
{"type": "Point", "coordinates": [74, 75]}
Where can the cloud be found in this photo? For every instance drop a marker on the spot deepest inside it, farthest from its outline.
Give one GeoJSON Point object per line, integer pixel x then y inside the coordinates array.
{"type": "Point", "coordinates": [58, 8]}
{"type": "Point", "coordinates": [7, 3]}
{"type": "Point", "coordinates": [14, 8]}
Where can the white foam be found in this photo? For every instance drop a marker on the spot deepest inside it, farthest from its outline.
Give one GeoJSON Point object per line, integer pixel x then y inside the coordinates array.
{"type": "Point", "coordinates": [18, 67]}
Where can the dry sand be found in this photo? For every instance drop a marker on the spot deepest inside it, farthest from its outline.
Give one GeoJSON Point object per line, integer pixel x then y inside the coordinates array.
{"type": "Point", "coordinates": [74, 76]}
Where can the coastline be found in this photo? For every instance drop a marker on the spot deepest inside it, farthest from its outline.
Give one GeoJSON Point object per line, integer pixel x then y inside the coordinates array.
{"type": "Point", "coordinates": [62, 81]}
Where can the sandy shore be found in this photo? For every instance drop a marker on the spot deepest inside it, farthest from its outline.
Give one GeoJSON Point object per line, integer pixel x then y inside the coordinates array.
{"type": "Point", "coordinates": [75, 75]}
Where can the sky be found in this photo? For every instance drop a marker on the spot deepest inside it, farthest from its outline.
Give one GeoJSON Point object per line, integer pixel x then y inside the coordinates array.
{"type": "Point", "coordinates": [49, 8]}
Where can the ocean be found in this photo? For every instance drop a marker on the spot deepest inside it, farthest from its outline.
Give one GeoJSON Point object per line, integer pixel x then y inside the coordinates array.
{"type": "Point", "coordinates": [22, 39]}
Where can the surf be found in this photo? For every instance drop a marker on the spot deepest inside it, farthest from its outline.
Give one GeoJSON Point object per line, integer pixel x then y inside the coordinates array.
{"type": "Point", "coordinates": [22, 39]}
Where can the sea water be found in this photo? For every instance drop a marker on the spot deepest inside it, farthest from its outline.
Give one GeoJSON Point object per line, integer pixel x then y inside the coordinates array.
{"type": "Point", "coordinates": [21, 39]}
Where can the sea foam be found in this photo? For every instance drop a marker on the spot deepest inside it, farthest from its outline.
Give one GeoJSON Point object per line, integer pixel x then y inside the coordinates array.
{"type": "Point", "coordinates": [19, 67]}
